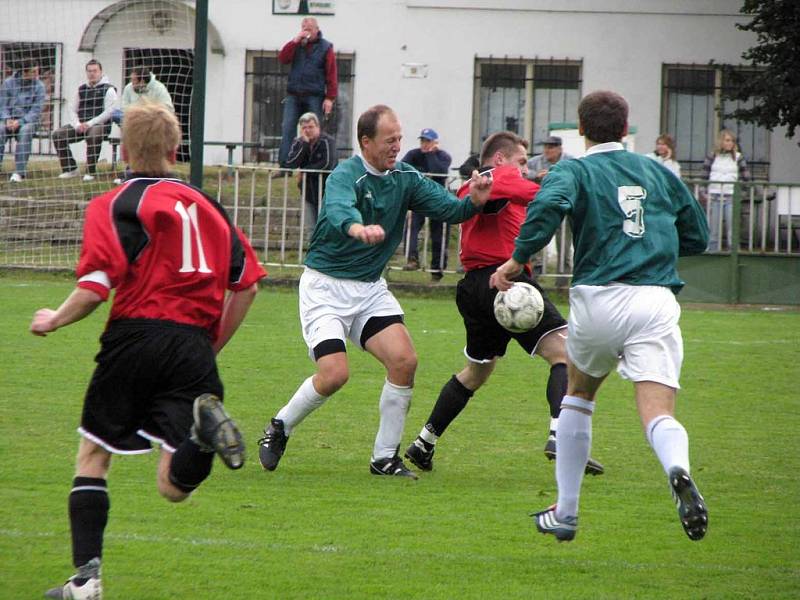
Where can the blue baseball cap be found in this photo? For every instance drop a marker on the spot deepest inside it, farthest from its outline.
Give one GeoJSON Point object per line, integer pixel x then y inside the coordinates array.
{"type": "Point", "coordinates": [428, 134]}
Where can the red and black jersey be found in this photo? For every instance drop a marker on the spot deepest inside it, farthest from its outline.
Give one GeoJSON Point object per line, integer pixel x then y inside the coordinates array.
{"type": "Point", "coordinates": [169, 250]}
{"type": "Point", "coordinates": [488, 238]}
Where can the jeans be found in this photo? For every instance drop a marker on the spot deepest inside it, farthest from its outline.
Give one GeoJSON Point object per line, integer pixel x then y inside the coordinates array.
{"type": "Point", "coordinates": [293, 108]}
{"type": "Point", "coordinates": [719, 205]}
{"type": "Point", "coordinates": [440, 234]}
{"type": "Point", "coordinates": [24, 136]}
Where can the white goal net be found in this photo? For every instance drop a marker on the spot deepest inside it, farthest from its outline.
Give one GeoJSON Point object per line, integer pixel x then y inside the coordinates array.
{"type": "Point", "coordinates": [68, 69]}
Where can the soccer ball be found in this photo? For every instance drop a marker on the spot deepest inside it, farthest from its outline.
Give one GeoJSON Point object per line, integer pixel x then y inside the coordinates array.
{"type": "Point", "coordinates": [520, 308]}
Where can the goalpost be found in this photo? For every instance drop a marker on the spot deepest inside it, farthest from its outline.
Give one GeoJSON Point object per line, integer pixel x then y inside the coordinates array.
{"type": "Point", "coordinates": [58, 152]}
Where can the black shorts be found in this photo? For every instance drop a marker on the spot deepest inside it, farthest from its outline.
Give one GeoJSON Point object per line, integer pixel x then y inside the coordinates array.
{"type": "Point", "coordinates": [148, 374]}
{"type": "Point", "coordinates": [486, 338]}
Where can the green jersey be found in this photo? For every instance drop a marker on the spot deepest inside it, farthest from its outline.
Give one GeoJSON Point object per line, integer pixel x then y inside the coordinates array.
{"type": "Point", "coordinates": [355, 193]}
{"type": "Point", "coordinates": [631, 218]}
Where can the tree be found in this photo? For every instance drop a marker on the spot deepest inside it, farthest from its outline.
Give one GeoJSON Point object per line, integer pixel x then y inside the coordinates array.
{"type": "Point", "coordinates": [772, 88]}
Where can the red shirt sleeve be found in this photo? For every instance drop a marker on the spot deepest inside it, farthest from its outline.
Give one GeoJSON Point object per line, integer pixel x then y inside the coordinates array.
{"type": "Point", "coordinates": [102, 264]}
{"type": "Point", "coordinates": [253, 271]}
{"type": "Point", "coordinates": [286, 55]}
{"type": "Point", "coordinates": [509, 183]}
{"type": "Point", "coordinates": [331, 75]}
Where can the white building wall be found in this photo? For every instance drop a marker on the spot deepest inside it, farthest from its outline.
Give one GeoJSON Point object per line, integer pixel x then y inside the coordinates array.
{"type": "Point", "coordinates": [622, 43]}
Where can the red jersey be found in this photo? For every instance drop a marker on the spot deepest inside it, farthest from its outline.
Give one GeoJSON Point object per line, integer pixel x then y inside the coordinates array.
{"type": "Point", "coordinates": [169, 250]}
{"type": "Point", "coordinates": [488, 238]}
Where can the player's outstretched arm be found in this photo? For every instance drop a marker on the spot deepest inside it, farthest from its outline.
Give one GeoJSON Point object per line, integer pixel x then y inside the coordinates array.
{"type": "Point", "coordinates": [236, 306]}
{"type": "Point", "coordinates": [502, 278]}
{"type": "Point", "coordinates": [480, 189]}
{"type": "Point", "coordinates": [80, 303]}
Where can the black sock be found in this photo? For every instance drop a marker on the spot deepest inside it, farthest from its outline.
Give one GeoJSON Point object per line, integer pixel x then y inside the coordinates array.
{"type": "Point", "coordinates": [190, 466]}
{"type": "Point", "coordinates": [556, 388]}
{"type": "Point", "coordinates": [88, 515]}
{"type": "Point", "coordinates": [452, 400]}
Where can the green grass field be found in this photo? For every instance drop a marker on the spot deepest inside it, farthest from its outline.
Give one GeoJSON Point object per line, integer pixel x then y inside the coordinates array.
{"type": "Point", "coordinates": [322, 527]}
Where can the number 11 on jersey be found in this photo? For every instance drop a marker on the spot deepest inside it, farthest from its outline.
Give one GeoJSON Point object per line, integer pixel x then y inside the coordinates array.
{"type": "Point", "coordinates": [188, 216]}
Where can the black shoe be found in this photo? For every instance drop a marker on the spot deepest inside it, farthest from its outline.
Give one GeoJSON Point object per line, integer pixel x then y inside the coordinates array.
{"type": "Point", "coordinates": [420, 453]}
{"type": "Point", "coordinates": [272, 445]}
{"type": "Point", "coordinates": [411, 265]}
{"type": "Point", "coordinates": [691, 506]}
{"type": "Point", "coordinates": [592, 466]}
{"type": "Point", "coordinates": [547, 523]}
{"type": "Point", "coordinates": [391, 466]}
{"type": "Point", "coordinates": [214, 429]}
{"type": "Point", "coordinates": [436, 276]}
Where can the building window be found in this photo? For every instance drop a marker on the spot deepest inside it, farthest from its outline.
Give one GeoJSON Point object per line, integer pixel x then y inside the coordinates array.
{"type": "Point", "coordinates": [265, 89]}
{"type": "Point", "coordinates": [525, 96]}
{"type": "Point", "coordinates": [48, 56]}
{"type": "Point", "coordinates": [693, 112]}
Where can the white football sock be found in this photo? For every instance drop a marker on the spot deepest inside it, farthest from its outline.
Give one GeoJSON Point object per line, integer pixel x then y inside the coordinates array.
{"type": "Point", "coordinates": [573, 444]}
{"type": "Point", "coordinates": [554, 424]}
{"type": "Point", "coordinates": [669, 441]}
{"type": "Point", "coordinates": [394, 404]}
{"type": "Point", "coordinates": [305, 401]}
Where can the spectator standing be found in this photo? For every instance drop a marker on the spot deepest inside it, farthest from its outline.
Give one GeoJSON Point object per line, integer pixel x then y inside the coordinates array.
{"type": "Point", "coordinates": [21, 101]}
{"type": "Point", "coordinates": [538, 167]}
{"type": "Point", "coordinates": [429, 158]}
{"type": "Point", "coordinates": [487, 241]}
{"type": "Point", "coordinates": [631, 222]}
{"type": "Point", "coordinates": [343, 295]}
{"type": "Point", "coordinates": [313, 80]}
{"type": "Point", "coordinates": [312, 150]}
{"type": "Point", "coordinates": [90, 120]}
{"type": "Point", "coordinates": [665, 153]}
{"type": "Point", "coordinates": [172, 254]}
{"type": "Point", "coordinates": [722, 169]}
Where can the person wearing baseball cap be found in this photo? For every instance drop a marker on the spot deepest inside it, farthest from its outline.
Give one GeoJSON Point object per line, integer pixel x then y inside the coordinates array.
{"type": "Point", "coordinates": [429, 158]}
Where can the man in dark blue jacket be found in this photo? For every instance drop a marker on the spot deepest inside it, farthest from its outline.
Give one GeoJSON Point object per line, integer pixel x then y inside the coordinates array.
{"type": "Point", "coordinates": [312, 85]}
{"type": "Point", "coordinates": [429, 158]}
{"type": "Point", "coordinates": [21, 100]}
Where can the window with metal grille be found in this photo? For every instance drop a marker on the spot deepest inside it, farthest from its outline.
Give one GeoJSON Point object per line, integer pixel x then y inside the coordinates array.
{"type": "Point", "coordinates": [524, 96]}
{"type": "Point", "coordinates": [693, 112]}
{"type": "Point", "coordinates": [265, 89]}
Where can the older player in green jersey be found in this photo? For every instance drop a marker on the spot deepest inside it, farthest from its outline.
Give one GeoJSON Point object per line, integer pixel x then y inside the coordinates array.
{"type": "Point", "coordinates": [342, 293]}
{"type": "Point", "coordinates": [631, 219]}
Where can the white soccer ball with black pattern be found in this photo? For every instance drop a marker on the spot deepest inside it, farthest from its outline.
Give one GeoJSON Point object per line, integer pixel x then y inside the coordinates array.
{"type": "Point", "coordinates": [520, 308]}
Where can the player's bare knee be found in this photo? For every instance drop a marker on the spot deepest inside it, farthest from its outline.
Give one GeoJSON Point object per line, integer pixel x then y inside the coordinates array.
{"type": "Point", "coordinates": [170, 493]}
{"type": "Point", "coordinates": [402, 368]}
{"type": "Point", "coordinates": [331, 379]}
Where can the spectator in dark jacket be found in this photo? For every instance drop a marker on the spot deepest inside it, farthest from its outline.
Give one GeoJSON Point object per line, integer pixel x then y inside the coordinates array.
{"type": "Point", "coordinates": [429, 158]}
{"type": "Point", "coordinates": [313, 80]}
{"type": "Point", "coordinates": [313, 150]}
{"type": "Point", "coordinates": [21, 100]}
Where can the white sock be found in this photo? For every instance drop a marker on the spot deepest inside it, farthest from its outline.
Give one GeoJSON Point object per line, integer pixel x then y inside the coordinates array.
{"type": "Point", "coordinates": [669, 441]}
{"type": "Point", "coordinates": [305, 401]}
{"type": "Point", "coordinates": [573, 444]}
{"type": "Point", "coordinates": [554, 424]}
{"type": "Point", "coordinates": [394, 404]}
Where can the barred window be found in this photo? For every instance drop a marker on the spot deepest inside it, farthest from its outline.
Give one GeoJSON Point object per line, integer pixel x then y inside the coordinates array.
{"type": "Point", "coordinates": [693, 113]}
{"type": "Point", "coordinates": [265, 88]}
{"type": "Point", "coordinates": [524, 96]}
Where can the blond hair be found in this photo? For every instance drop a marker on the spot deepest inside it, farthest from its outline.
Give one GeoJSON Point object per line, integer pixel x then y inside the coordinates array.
{"type": "Point", "coordinates": [150, 135]}
{"type": "Point", "coordinates": [723, 134]}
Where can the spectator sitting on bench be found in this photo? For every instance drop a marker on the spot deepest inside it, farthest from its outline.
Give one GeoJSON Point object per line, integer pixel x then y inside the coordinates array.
{"type": "Point", "coordinates": [142, 84]}
{"type": "Point", "coordinates": [21, 100]}
{"type": "Point", "coordinates": [90, 120]}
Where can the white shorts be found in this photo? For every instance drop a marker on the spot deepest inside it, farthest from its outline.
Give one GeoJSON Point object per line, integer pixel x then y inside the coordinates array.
{"type": "Point", "coordinates": [337, 309]}
{"type": "Point", "coordinates": [632, 326]}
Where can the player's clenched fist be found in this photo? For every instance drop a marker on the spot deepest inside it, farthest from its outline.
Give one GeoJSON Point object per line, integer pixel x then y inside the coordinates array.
{"type": "Point", "coordinates": [43, 322]}
{"type": "Point", "coordinates": [369, 234]}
